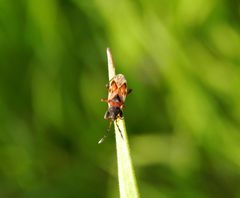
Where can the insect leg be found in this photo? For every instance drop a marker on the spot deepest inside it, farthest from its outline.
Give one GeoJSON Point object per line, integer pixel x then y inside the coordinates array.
{"type": "Point", "coordinates": [106, 134]}
{"type": "Point", "coordinates": [121, 114]}
{"type": "Point", "coordinates": [129, 91]}
{"type": "Point", "coordinates": [107, 115]}
{"type": "Point", "coordinates": [104, 100]}
{"type": "Point", "coordinates": [107, 85]}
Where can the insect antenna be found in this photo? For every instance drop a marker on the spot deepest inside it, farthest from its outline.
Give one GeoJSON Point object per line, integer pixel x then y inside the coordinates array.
{"type": "Point", "coordinates": [106, 134]}
{"type": "Point", "coordinates": [119, 129]}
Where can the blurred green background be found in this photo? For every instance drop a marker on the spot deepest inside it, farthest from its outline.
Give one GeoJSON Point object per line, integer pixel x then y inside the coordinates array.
{"type": "Point", "coordinates": [182, 60]}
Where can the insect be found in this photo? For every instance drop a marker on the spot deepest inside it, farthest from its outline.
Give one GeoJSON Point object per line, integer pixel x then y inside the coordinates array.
{"type": "Point", "coordinates": [117, 93]}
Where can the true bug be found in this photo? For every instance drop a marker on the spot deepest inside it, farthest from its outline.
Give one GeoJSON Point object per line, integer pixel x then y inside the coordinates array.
{"type": "Point", "coordinates": [117, 92]}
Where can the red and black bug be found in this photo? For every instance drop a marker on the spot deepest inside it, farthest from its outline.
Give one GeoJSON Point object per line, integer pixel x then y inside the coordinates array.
{"type": "Point", "coordinates": [117, 93]}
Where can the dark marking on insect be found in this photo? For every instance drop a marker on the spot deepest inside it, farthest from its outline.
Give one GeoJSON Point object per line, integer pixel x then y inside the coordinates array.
{"type": "Point", "coordinates": [117, 92]}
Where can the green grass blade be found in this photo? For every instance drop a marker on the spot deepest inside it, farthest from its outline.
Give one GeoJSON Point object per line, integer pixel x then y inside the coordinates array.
{"type": "Point", "coordinates": [126, 176]}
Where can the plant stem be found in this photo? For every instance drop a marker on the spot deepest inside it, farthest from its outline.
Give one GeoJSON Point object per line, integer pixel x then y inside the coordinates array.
{"type": "Point", "coordinates": [126, 176]}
